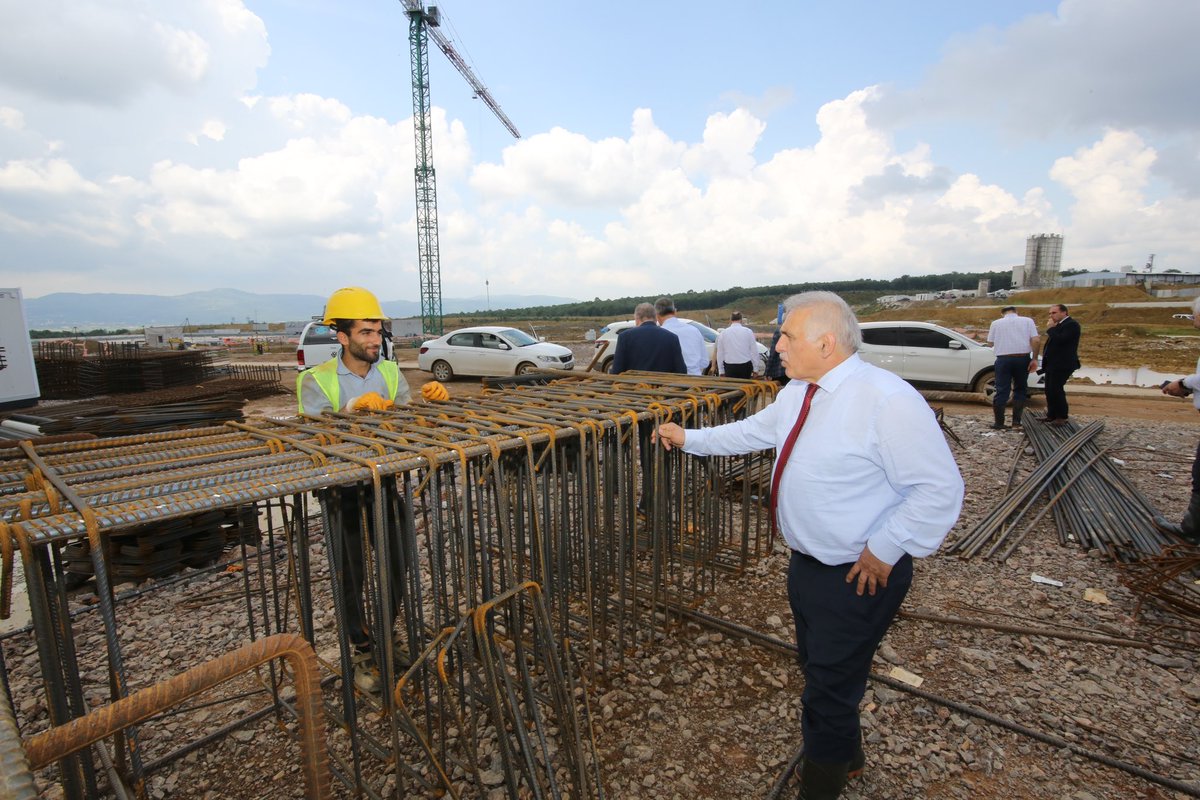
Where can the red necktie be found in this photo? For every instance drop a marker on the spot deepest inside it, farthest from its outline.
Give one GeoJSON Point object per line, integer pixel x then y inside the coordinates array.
{"type": "Point", "coordinates": [786, 451]}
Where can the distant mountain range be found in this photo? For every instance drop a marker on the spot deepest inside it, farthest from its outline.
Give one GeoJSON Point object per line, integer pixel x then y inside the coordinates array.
{"type": "Point", "coordinates": [66, 310]}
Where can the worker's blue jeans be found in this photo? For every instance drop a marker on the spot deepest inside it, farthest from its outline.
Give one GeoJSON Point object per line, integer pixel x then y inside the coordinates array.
{"type": "Point", "coordinates": [1012, 377]}
{"type": "Point", "coordinates": [837, 633]}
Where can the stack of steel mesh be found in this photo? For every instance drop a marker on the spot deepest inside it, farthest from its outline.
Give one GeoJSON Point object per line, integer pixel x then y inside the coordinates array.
{"type": "Point", "coordinates": [63, 373]}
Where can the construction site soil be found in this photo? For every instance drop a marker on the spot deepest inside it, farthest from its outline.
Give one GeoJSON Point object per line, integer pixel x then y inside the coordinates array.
{"type": "Point", "coordinates": [697, 713]}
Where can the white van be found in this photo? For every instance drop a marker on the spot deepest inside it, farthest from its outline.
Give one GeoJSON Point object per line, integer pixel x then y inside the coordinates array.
{"type": "Point", "coordinates": [318, 344]}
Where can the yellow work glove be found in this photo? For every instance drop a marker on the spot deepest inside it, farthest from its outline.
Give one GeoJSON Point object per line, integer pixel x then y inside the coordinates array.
{"type": "Point", "coordinates": [371, 401]}
{"type": "Point", "coordinates": [434, 391]}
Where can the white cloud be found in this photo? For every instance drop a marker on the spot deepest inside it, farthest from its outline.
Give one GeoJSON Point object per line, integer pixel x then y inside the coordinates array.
{"type": "Point", "coordinates": [98, 53]}
{"type": "Point", "coordinates": [212, 129]}
{"type": "Point", "coordinates": [1091, 65]}
{"type": "Point", "coordinates": [51, 176]}
{"type": "Point", "coordinates": [295, 191]}
{"type": "Point", "coordinates": [11, 118]}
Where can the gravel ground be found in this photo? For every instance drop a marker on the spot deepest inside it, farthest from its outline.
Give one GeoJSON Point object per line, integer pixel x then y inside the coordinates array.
{"type": "Point", "coordinates": [700, 714]}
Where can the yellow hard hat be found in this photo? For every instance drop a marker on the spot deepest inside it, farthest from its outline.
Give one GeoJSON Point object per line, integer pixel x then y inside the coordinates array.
{"type": "Point", "coordinates": [352, 302]}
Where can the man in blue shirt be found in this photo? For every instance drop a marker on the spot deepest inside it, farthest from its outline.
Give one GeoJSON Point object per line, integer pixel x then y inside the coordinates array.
{"type": "Point", "coordinates": [864, 483]}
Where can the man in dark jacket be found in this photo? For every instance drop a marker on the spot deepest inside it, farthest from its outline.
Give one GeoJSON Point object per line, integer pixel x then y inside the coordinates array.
{"type": "Point", "coordinates": [646, 346]}
{"type": "Point", "coordinates": [1060, 357]}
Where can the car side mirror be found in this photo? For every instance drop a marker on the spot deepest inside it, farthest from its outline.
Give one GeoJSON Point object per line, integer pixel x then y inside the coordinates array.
{"type": "Point", "coordinates": [955, 345]}
{"type": "Point", "coordinates": [505, 346]}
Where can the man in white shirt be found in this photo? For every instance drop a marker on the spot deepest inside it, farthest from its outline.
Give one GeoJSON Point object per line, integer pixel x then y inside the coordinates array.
{"type": "Point", "coordinates": [1189, 526]}
{"type": "Point", "coordinates": [1017, 342]}
{"type": "Point", "coordinates": [865, 483]}
{"type": "Point", "coordinates": [695, 354]}
{"type": "Point", "coordinates": [737, 349]}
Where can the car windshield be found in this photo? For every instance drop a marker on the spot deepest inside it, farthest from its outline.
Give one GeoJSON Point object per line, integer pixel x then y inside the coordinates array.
{"type": "Point", "coordinates": [709, 334]}
{"type": "Point", "coordinates": [519, 338]}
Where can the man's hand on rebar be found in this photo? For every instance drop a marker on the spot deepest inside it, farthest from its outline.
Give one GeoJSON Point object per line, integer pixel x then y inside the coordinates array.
{"type": "Point", "coordinates": [870, 572]}
{"type": "Point", "coordinates": [669, 435]}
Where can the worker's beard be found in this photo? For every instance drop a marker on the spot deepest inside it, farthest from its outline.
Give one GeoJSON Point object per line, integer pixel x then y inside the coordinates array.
{"type": "Point", "coordinates": [362, 353]}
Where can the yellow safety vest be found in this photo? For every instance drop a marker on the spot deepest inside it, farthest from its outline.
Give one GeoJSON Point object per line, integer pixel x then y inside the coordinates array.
{"type": "Point", "coordinates": [326, 377]}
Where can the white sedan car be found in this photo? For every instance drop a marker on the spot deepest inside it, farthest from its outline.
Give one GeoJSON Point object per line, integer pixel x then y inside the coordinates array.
{"type": "Point", "coordinates": [929, 355]}
{"type": "Point", "coordinates": [609, 334]}
{"type": "Point", "coordinates": [490, 351]}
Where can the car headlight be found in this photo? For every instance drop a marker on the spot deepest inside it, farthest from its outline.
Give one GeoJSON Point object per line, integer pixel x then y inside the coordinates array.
{"type": "Point", "coordinates": [548, 359]}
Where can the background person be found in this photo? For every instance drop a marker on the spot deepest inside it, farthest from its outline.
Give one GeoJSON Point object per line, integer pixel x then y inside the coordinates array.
{"type": "Point", "coordinates": [646, 346]}
{"type": "Point", "coordinates": [737, 349]}
{"type": "Point", "coordinates": [358, 379]}
{"type": "Point", "coordinates": [1189, 526]}
{"type": "Point", "coordinates": [1016, 341]}
{"type": "Point", "coordinates": [864, 482]}
{"type": "Point", "coordinates": [691, 340]}
{"type": "Point", "coordinates": [1060, 357]}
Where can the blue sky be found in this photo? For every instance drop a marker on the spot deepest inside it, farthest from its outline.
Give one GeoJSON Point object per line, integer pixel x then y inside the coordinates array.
{"type": "Point", "coordinates": [267, 144]}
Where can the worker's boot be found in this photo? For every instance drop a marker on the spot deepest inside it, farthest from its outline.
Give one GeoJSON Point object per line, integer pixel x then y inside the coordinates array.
{"type": "Point", "coordinates": [998, 411]}
{"type": "Point", "coordinates": [822, 780]}
{"type": "Point", "coordinates": [1188, 528]}
{"type": "Point", "coordinates": [1018, 409]}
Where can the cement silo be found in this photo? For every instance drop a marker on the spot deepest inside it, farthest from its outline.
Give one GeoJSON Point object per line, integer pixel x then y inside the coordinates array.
{"type": "Point", "coordinates": [1043, 261]}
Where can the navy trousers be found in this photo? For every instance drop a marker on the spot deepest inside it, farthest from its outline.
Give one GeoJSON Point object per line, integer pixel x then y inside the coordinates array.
{"type": "Point", "coordinates": [837, 633]}
{"type": "Point", "coordinates": [1012, 376]}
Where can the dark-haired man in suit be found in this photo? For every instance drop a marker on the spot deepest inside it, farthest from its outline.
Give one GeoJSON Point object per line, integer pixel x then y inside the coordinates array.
{"type": "Point", "coordinates": [1060, 357]}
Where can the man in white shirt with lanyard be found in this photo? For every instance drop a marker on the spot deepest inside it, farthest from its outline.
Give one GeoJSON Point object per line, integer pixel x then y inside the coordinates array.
{"type": "Point", "coordinates": [864, 482]}
{"type": "Point", "coordinates": [1016, 341]}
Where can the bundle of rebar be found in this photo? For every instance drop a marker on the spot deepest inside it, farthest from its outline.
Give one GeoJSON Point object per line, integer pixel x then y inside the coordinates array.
{"type": "Point", "coordinates": [209, 403]}
{"type": "Point", "coordinates": [479, 496]}
{"type": "Point", "coordinates": [1094, 504]}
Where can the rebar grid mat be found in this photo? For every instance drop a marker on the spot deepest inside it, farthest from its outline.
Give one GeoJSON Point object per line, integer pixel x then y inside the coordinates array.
{"type": "Point", "coordinates": [1095, 505]}
{"type": "Point", "coordinates": [65, 373]}
{"type": "Point", "coordinates": [478, 497]}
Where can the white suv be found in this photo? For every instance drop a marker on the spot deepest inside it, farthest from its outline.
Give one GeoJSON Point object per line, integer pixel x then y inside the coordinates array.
{"type": "Point", "coordinates": [925, 354]}
{"type": "Point", "coordinates": [609, 334]}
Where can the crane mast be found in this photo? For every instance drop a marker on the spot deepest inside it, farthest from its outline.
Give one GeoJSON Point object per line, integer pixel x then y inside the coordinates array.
{"type": "Point", "coordinates": [423, 25]}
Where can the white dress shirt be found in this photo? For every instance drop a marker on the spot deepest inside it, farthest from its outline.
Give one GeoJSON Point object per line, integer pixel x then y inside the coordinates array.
{"type": "Point", "coordinates": [1010, 335]}
{"type": "Point", "coordinates": [1193, 382]}
{"type": "Point", "coordinates": [691, 341]}
{"type": "Point", "coordinates": [870, 467]}
{"type": "Point", "coordinates": [736, 345]}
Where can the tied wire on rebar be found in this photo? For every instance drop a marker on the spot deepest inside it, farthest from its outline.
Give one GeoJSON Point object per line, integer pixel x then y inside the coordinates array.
{"type": "Point", "coordinates": [466, 500]}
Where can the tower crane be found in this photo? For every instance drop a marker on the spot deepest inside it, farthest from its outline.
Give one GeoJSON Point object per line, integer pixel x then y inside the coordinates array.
{"type": "Point", "coordinates": [423, 25]}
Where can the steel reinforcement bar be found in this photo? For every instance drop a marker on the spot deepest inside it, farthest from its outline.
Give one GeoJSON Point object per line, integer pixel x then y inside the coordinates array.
{"type": "Point", "coordinates": [452, 505]}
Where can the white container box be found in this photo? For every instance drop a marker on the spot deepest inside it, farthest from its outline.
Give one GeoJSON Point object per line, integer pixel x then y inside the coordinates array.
{"type": "Point", "coordinates": [18, 377]}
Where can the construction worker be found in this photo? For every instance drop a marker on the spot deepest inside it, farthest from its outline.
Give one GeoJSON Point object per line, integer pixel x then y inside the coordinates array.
{"type": "Point", "coordinates": [359, 380]}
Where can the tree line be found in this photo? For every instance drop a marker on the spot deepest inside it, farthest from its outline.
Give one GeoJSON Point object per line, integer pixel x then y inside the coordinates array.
{"type": "Point", "coordinates": [853, 290]}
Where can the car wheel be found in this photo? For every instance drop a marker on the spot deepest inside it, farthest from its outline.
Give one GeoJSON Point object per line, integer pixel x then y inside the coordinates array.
{"type": "Point", "coordinates": [985, 384]}
{"type": "Point", "coordinates": [606, 365]}
{"type": "Point", "coordinates": [442, 371]}
{"type": "Point", "coordinates": [526, 367]}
